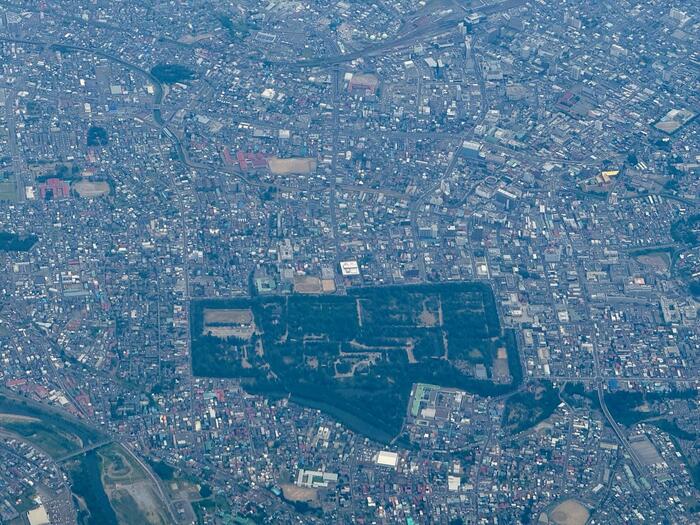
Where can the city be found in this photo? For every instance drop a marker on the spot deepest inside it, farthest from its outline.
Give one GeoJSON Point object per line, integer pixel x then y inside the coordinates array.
{"type": "Point", "coordinates": [415, 262]}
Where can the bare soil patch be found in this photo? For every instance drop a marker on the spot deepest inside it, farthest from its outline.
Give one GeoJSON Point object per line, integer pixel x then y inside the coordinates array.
{"type": "Point", "coordinates": [307, 284]}
{"type": "Point", "coordinates": [228, 323]}
{"type": "Point", "coordinates": [299, 165]}
{"type": "Point", "coordinates": [295, 493]}
{"type": "Point", "coordinates": [569, 512]}
{"type": "Point", "coordinates": [88, 189]}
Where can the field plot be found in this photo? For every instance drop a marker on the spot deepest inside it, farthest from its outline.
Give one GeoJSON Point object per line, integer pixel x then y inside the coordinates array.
{"type": "Point", "coordinates": [8, 190]}
{"type": "Point", "coordinates": [225, 323]}
{"type": "Point", "coordinates": [129, 488]}
{"type": "Point", "coordinates": [569, 512]}
{"type": "Point", "coordinates": [357, 356]}
{"type": "Point", "coordinates": [89, 189]}
{"type": "Point", "coordinates": [301, 166]}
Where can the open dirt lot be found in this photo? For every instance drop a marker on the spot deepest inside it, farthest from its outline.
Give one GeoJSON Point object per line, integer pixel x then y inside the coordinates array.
{"type": "Point", "coordinates": [129, 490]}
{"type": "Point", "coordinates": [659, 262]}
{"type": "Point", "coordinates": [137, 503]}
{"type": "Point", "coordinates": [228, 316]}
{"type": "Point", "coordinates": [569, 512]}
{"type": "Point", "coordinates": [228, 322]}
{"type": "Point", "coordinates": [295, 493]}
{"type": "Point", "coordinates": [88, 189]}
{"type": "Point", "coordinates": [302, 166]}
{"type": "Point", "coordinates": [307, 284]}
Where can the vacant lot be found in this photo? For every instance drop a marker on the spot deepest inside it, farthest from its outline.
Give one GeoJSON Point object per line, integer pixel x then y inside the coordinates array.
{"type": "Point", "coordinates": [89, 189]}
{"type": "Point", "coordinates": [569, 512]}
{"type": "Point", "coordinates": [191, 39]}
{"type": "Point", "coordinates": [292, 492]}
{"type": "Point", "coordinates": [137, 503]}
{"type": "Point", "coordinates": [226, 323]}
{"type": "Point", "coordinates": [113, 489]}
{"type": "Point", "coordinates": [227, 316]}
{"type": "Point", "coordinates": [129, 489]}
{"type": "Point", "coordinates": [302, 166]}
{"type": "Point", "coordinates": [307, 284]}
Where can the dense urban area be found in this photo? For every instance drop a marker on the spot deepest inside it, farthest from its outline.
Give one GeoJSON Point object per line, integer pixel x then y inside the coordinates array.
{"type": "Point", "coordinates": [349, 262]}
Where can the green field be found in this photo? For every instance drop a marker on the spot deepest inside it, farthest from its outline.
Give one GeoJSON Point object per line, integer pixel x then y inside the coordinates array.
{"type": "Point", "coordinates": [630, 408]}
{"type": "Point", "coordinates": [12, 242]}
{"type": "Point", "coordinates": [44, 435]}
{"type": "Point", "coordinates": [54, 432]}
{"type": "Point", "coordinates": [163, 470]}
{"type": "Point", "coordinates": [172, 73]}
{"type": "Point", "coordinates": [576, 395]}
{"type": "Point", "coordinates": [8, 190]}
{"type": "Point", "coordinates": [671, 427]}
{"type": "Point", "coordinates": [357, 356]}
{"type": "Point", "coordinates": [687, 230]}
{"type": "Point", "coordinates": [59, 434]}
{"type": "Point", "coordinates": [97, 136]}
{"type": "Point", "coordinates": [525, 410]}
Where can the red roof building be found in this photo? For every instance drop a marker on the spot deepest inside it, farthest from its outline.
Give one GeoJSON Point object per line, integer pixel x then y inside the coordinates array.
{"type": "Point", "coordinates": [55, 189]}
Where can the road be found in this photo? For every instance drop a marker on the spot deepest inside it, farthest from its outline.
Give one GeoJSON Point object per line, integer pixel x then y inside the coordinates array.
{"type": "Point", "coordinates": [47, 494]}
{"type": "Point", "coordinates": [156, 481]}
{"type": "Point", "coordinates": [93, 23]}
{"type": "Point", "coordinates": [335, 134]}
{"type": "Point", "coordinates": [414, 208]}
{"type": "Point", "coordinates": [633, 379]}
{"type": "Point", "coordinates": [17, 164]}
{"type": "Point", "coordinates": [159, 93]}
{"type": "Point", "coordinates": [83, 450]}
{"type": "Point", "coordinates": [599, 382]}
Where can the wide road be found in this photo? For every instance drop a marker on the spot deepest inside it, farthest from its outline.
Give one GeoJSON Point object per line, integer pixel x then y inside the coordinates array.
{"type": "Point", "coordinates": [414, 209]}
{"type": "Point", "coordinates": [633, 379]}
{"type": "Point", "coordinates": [17, 164]}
